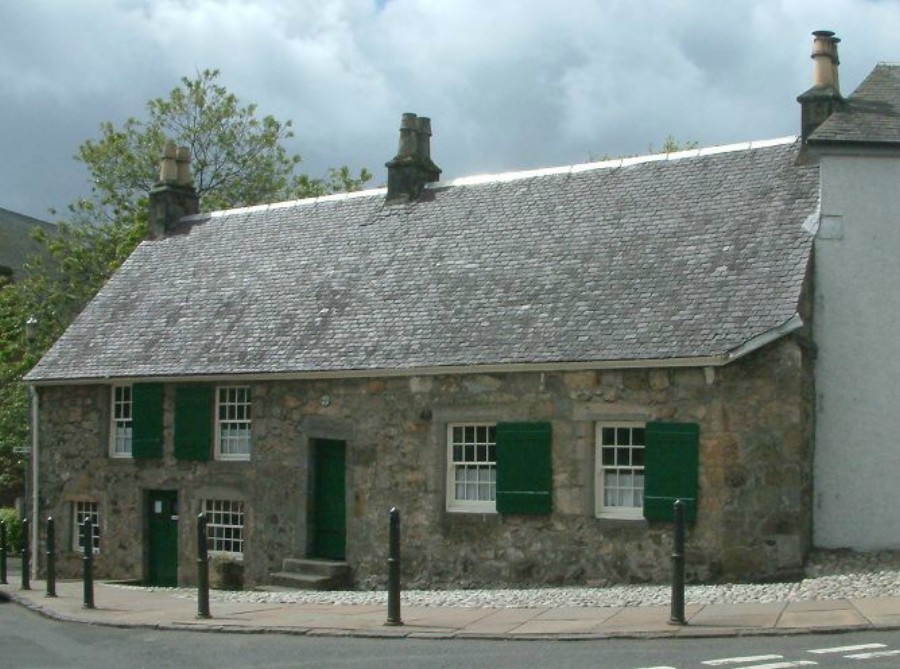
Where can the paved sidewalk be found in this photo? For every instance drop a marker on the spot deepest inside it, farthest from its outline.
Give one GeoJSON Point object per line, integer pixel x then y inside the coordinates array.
{"type": "Point", "coordinates": [129, 607]}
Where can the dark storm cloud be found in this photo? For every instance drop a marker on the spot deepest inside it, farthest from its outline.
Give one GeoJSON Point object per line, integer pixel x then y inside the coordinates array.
{"type": "Point", "coordinates": [509, 85]}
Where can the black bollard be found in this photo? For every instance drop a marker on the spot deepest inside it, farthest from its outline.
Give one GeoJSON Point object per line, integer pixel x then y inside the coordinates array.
{"type": "Point", "coordinates": [393, 616]}
{"type": "Point", "coordinates": [51, 558]}
{"type": "Point", "coordinates": [26, 558]}
{"type": "Point", "coordinates": [677, 615]}
{"type": "Point", "coordinates": [3, 580]}
{"type": "Point", "coordinates": [202, 569]}
{"type": "Point", "coordinates": [87, 538]}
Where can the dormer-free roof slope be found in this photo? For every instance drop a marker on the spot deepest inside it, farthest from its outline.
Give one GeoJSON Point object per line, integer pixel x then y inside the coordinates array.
{"type": "Point", "coordinates": [664, 260]}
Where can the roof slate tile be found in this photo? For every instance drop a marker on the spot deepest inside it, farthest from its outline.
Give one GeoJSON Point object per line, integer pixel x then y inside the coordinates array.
{"type": "Point", "coordinates": [871, 114]}
{"type": "Point", "coordinates": [651, 260]}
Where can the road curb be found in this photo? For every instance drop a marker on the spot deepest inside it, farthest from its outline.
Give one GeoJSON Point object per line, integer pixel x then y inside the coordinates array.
{"type": "Point", "coordinates": [686, 632]}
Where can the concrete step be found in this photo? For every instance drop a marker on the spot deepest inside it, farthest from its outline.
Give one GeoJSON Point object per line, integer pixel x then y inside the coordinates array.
{"type": "Point", "coordinates": [295, 581]}
{"type": "Point", "coordinates": [312, 574]}
{"type": "Point", "coordinates": [316, 566]}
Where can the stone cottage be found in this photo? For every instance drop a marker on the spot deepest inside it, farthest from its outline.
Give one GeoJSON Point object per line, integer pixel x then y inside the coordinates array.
{"type": "Point", "coordinates": [531, 366]}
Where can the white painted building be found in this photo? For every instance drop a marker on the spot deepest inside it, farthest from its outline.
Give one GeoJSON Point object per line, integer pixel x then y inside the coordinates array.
{"type": "Point", "coordinates": [856, 293]}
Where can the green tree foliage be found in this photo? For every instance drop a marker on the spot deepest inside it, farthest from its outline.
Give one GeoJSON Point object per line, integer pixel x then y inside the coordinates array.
{"type": "Point", "coordinates": [14, 529]}
{"type": "Point", "coordinates": [238, 159]}
{"type": "Point", "coordinates": [672, 145]}
{"type": "Point", "coordinates": [14, 362]}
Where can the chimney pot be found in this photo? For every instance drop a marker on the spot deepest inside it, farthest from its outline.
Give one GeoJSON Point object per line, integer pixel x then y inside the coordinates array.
{"type": "Point", "coordinates": [424, 135]}
{"type": "Point", "coordinates": [824, 55]}
{"type": "Point", "coordinates": [820, 101]}
{"type": "Point", "coordinates": [408, 145]}
{"type": "Point", "coordinates": [174, 196]}
{"type": "Point", "coordinates": [412, 167]}
{"type": "Point", "coordinates": [835, 61]}
{"type": "Point", "coordinates": [168, 167]}
{"type": "Point", "coordinates": [183, 163]}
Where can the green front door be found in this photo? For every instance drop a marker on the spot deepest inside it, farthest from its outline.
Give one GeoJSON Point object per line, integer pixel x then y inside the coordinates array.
{"type": "Point", "coordinates": [329, 506]}
{"type": "Point", "coordinates": [162, 538]}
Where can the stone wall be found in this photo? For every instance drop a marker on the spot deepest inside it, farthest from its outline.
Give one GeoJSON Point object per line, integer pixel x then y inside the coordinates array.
{"type": "Point", "coordinates": [754, 498]}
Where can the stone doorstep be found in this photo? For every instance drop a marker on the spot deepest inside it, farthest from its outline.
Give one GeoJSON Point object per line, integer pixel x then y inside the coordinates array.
{"type": "Point", "coordinates": [315, 566]}
{"type": "Point", "coordinates": [294, 581]}
{"type": "Point", "coordinates": [312, 574]}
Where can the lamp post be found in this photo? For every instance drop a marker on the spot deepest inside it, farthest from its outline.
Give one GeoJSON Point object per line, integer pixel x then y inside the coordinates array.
{"type": "Point", "coordinates": [31, 325]}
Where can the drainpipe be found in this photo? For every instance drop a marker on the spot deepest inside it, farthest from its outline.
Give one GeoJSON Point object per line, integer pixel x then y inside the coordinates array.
{"type": "Point", "coordinates": [35, 509]}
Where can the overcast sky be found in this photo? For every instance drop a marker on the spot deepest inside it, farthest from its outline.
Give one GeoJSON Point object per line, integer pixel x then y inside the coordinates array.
{"type": "Point", "coordinates": [508, 84]}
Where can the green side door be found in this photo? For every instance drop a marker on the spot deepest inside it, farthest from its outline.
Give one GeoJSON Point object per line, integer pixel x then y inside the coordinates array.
{"type": "Point", "coordinates": [328, 500]}
{"type": "Point", "coordinates": [162, 538]}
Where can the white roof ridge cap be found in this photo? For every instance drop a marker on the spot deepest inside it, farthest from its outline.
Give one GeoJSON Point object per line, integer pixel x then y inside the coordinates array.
{"type": "Point", "coordinates": [506, 177]}
{"type": "Point", "coordinates": [502, 177]}
{"type": "Point", "coordinates": [305, 201]}
{"type": "Point", "coordinates": [731, 148]}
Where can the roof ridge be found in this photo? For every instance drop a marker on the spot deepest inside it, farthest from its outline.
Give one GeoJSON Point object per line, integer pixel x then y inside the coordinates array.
{"type": "Point", "coordinates": [501, 177]}
{"type": "Point", "coordinates": [288, 203]}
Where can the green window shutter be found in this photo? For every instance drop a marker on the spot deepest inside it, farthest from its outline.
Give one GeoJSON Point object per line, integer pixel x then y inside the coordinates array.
{"type": "Point", "coordinates": [671, 461]}
{"type": "Point", "coordinates": [524, 474]}
{"type": "Point", "coordinates": [146, 421]}
{"type": "Point", "coordinates": [193, 422]}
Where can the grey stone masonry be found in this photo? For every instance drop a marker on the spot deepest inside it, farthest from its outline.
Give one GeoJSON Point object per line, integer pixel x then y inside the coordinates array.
{"type": "Point", "coordinates": [754, 475]}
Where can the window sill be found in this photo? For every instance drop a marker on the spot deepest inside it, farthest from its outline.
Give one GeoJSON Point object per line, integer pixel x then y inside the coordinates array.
{"type": "Point", "coordinates": [621, 515]}
{"type": "Point", "coordinates": [232, 458]}
{"type": "Point", "coordinates": [473, 510]}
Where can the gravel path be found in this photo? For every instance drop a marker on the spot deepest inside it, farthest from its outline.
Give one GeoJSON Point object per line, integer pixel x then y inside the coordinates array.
{"type": "Point", "coordinates": [830, 575]}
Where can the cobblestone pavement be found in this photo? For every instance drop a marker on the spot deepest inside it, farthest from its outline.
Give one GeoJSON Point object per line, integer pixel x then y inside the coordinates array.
{"type": "Point", "coordinates": [829, 575]}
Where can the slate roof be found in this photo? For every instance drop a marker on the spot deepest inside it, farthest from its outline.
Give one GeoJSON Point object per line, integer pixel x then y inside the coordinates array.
{"type": "Point", "coordinates": [16, 243]}
{"type": "Point", "coordinates": [644, 259]}
{"type": "Point", "coordinates": [871, 114]}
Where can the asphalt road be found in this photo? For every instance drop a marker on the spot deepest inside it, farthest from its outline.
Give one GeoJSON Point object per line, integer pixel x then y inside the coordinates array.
{"type": "Point", "coordinates": [30, 641]}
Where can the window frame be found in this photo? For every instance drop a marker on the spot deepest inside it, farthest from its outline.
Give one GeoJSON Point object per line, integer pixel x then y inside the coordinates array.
{"type": "Point", "coordinates": [243, 407]}
{"type": "Point", "coordinates": [116, 421]}
{"type": "Point", "coordinates": [216, 510]}
{"type": "Point", "coordinates": [601, 510]}
{"type": "Point", "coordinates": [454, 504]}
{"type": "Point", "coordinates": [82, 508]}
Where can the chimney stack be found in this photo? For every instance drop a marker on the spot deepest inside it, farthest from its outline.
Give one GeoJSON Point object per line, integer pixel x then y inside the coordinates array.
{"type": "Point", "coordinates": [174, 195]}
{"type": "Point", "coordinates": [820, 101]}
{"type": "Point", "coordinates": [412, 167]}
